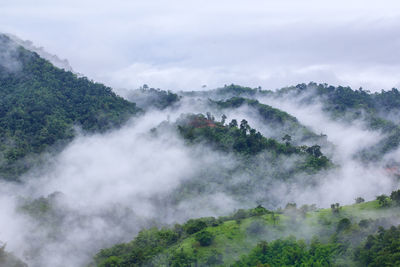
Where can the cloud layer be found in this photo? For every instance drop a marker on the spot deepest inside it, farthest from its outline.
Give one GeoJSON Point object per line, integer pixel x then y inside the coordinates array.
{"type": "Point", "coordinates": [175, 45]}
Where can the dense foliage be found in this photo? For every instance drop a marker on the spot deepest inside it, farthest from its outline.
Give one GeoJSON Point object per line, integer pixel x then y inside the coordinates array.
{"type": "Point", "coordinates": [152, 242]}
{"type": "Point", "coordinates": [243, 139]}
{"type": "Point", "coordinates": [147, 244]}
{"type": "Point", "coordinates": [256, 237]}
{"type": "Point", "coordinates": [381, 249]}
{"type": "Point", "coordinates": [40, 104]}
{"type": "Point", "coordinates": [204, 238]}
{"type": "Point", "coordinates": [288, 252]}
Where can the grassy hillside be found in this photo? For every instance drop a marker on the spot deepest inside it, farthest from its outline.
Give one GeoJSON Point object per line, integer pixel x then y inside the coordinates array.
{"type": "Point", "coordinates": [40, 104]}
{"type": "Point", "coordinates": [293, 236]}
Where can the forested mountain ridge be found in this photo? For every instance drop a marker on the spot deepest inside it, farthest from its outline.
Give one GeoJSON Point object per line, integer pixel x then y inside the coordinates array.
{"type": "Point", "coordinates": [40, 104]}
{"type": "Point", "coordinates": [379, 110]}
{"type": "Point", "coordinates": [275, 118]}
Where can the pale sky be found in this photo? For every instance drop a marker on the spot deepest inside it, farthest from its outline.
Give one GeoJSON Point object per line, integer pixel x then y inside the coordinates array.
{"type": "Point", "coordinates": [182, 45]}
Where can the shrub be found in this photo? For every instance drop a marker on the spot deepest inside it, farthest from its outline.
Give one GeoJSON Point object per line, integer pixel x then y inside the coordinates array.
{"type": "Point", "coordinates": [205, 238]}
{"type": "Point", "coordinates": [194, 226]}
{"type": "Point", "coordinates": [359, 200]}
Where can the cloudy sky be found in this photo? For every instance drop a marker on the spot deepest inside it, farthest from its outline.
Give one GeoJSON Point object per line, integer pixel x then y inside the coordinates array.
{"type": "Point", "coordinates": [182, 45]}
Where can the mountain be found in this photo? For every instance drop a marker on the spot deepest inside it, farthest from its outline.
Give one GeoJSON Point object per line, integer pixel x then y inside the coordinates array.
{"type": "Point", "coordinates": [40, 105]}
{"type": "Point", "coordinates": [379, 111]}
{"type": "Point", "coordinates": [176, 186]}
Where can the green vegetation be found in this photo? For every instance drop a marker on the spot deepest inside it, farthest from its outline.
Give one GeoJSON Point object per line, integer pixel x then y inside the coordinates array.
{"type": "Point", "coordinates": [236, 89]}
{"type": "Point", "coordinates": [40, 104]}
{"type": "Point", "coordinates": [288, 252]}
{"type": "Point", "coordinates": [244, 140]}
{"type": "Point", "coordinates": [146, 98]}
{"type": "Point", "coordinates": [145, 246]}
{"type": "Point", "coordinates": [204, 238]}
{"type": "Point", "coordinates": [381, 249]}
{"type": "Point", "coordinates": [158, 247]}
{"type": "Point", "coordinates": [225, 92]}
{"type": "Point", "coordinates": [41, 209]}
{"type": "Point", "coordinates": [305, 236]}
{"type": "Point", "coordinates": [379, 110]}
{"type": "Point", "coordinates": [256, 157]}
{"type": "Point", "coordinates": [275, 118]}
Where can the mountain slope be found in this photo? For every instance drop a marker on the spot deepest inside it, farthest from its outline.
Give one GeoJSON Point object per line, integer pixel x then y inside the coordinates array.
{"type": "Point", "coordinates": [40, 104]}
{"type": "Point", "coordinates": [378, 110]}
{"type": "Point", "coordinates": [340, 236]}
{"type": "Point", "coordinates": [276, 119]}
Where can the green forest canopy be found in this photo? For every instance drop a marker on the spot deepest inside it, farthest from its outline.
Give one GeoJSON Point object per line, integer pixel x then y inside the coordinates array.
{"type": "Point", "coordinates": [40, 104]}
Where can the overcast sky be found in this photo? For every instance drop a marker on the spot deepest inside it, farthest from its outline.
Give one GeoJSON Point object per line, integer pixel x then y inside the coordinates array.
{"type": "Point", "coordinates": [182, 45]}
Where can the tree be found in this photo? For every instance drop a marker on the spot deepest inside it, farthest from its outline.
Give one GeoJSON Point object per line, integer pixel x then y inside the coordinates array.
{"type": "Point", "coordinates": [275, 218]}
{"type": "Point", "coordinates": [112, 261]}
{"type": "Point", "coordinates": [359, 200]}
{"type": "Point", "coordinates": [205, 238]}
{"type": "Point", "coordinates": [395, 197]}
{"type": "Point", "coordinates": [210, 117]}
{"type": "Point", "coordinates": [315, 151]}
{"type": "Point", "coordinates": [244, 126]}
{"type": "Point", "coordinates": [335, 208]}
{"type": "Point", "coordinates": [287, 139]}
{"type": "Point", "coordinates": [383, 200]}
{"type": "Point", "coordinates": [233, 124]}
{"type": "Point", "coordinates": [192, 226]}
{"type": "Point", "coordinates": [223, 119]}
